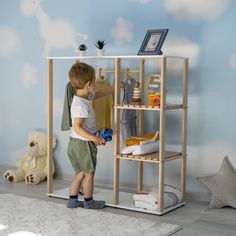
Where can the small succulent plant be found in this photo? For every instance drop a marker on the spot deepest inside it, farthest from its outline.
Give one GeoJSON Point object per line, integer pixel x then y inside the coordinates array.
{"type": "Point", "coordinates": [100, 44]}
{"type": "Point", "coordinates": [82, 47]}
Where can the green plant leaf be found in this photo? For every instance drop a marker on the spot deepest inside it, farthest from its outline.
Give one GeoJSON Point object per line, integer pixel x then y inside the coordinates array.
{"type": "Point", "coordinates": [100, 44]}
{"type": "Point", "coordinates": [82, 47]}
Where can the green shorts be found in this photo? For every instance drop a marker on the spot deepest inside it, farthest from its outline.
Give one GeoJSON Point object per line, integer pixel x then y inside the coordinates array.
{"type": "Point", "coordinates": [82, 155]}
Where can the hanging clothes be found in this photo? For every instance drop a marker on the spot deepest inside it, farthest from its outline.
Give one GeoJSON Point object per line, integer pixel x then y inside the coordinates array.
{"type": "Point", "coordinates": [102, 106]}
{"type": "Point", "coordinates": [66, 122]}
{"type": "Point", "coordinates": [128, 117]}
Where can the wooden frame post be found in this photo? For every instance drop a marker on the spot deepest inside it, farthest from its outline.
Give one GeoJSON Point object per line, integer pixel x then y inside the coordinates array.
{"type": "Point", "coordinates": [117, 132]}
{"type": "Point", "coordinates": [140, 122]}
{"type": "Point", "coordinates": [184, 129]}
{"type": "Point", "coordinates": [162, 135]}
{"type": "Point", "coordinates": [50, 128]}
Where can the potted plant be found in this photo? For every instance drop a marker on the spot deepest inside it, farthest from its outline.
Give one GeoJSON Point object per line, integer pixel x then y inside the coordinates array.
{"type": "Point", "coordinates": [100, 47]}
{"type": "Point", "coordinates": [82, 49]}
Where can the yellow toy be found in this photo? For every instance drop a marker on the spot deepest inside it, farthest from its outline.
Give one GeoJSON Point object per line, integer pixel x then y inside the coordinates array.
{"type": "Point", "coordinates": [153, 91]}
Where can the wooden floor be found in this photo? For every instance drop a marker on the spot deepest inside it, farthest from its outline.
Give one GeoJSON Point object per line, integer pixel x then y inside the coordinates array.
{"type": "Point", "coordinates": [195, 217]}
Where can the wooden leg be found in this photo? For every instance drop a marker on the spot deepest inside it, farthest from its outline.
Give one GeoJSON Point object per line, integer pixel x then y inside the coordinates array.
{"type": "Point", "coordinates": [50, 129]}
{"type": "Point", "coordinates": [117, 132]}
{"type": "Point", "coordinates": [161, 162]}
{"type": "Point", "coordinates": [140, 121]}
{"type": "Point", "coordinates": [162, 136]}
{"type": "Point", "coordinates": [184, 129]}
{"type": "Point", "coordinates": [140, 176]}
{"type": "Point", "coordinates": [140, 163]}
{"type": "Point", "coordinates": [116, 181]}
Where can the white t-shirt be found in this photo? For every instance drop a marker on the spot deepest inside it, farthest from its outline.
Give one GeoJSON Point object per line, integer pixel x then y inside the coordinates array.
{"type": "Point", "coordinates": [82, 108]}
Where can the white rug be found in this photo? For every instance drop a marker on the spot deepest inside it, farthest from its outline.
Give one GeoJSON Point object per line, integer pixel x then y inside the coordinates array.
{"type": "Point", "coordinates": [23, 216]}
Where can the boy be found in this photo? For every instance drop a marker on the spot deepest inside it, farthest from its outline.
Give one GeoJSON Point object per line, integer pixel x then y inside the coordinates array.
{"type": "Point", "coordinates": [82, 148]}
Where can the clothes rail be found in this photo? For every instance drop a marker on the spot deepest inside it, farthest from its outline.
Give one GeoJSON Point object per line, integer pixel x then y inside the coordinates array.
{"type": "Point", "coordinates": [101, 70]}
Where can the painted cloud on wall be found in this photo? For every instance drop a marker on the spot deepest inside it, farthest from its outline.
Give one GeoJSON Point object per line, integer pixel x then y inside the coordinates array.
{"type": "Point", "coordinates": [196, 10]}
{"type": "Point", "coordinates": [28, 75]}
{"type": "Point", "coordinates": [56, 33]}
{"type": "Point", "coordinates": [9, 40]}
{"type": "Point", "coordinates": [182, 46]}
{"type": "Point", "coordinates": [122, 31]}
{"type": "Point", "coordinates": [232, 61]}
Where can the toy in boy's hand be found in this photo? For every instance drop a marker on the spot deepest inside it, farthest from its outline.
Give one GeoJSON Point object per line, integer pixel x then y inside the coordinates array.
{"type": "Point", "coordinates": [105, 133]}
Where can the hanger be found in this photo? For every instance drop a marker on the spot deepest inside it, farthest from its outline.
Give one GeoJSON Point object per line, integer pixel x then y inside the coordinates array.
{"type": "Point", "coordinates": [128, 76]}
{"type": "Point", "coordinates": [100, 74]}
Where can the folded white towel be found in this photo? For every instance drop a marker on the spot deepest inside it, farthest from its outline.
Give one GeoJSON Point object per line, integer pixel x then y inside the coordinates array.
{"type": "Point", "coordinates": [145, 197]}
{"type": "Point", "coordinates": [141, 149]}
{"type": "Point", "coordinates": [129, 149]}
{"type": "Point", "coordinates": [146, 206]}
{"type": "Point", "coordinates": [146, 148]}
{"type": "Point", "coordinates": [172, 196]}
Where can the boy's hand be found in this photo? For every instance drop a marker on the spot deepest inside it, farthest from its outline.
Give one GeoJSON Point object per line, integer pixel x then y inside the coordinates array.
{"type": "Point", "coordinates": [99, 140]}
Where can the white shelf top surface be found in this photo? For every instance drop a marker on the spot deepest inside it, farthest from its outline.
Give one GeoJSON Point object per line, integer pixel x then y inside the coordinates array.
{"type": "Point", "coordinates": [113, 57]}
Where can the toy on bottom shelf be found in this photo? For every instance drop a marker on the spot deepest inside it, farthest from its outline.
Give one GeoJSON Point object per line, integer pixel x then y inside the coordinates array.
{"type": "Point", "coordinates": [32, 166]}
{"type": "Point", "coordinates": [141, 145]}
{"type": "Point", "coordinates": [149, 201]}
{"type": "Point", "coordinates": [105, 133]}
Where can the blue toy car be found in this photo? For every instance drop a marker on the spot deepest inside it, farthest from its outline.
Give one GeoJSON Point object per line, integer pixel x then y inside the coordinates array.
{"type": "Point", "coordinates": [105, 133]}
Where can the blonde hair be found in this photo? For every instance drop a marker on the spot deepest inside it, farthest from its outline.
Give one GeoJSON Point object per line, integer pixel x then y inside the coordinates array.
{"type": "Point", "coordinates": [80, 74]}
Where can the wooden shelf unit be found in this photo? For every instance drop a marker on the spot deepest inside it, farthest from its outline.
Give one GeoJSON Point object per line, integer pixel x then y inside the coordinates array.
{"type": "Point", "coordinates": [162, 155]}
{"type": "Point", "coordinates": [158, 158]}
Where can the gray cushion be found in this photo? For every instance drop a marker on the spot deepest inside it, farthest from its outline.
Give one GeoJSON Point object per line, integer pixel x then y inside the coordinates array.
{"type": "Point", "coordinates": [222, 186]}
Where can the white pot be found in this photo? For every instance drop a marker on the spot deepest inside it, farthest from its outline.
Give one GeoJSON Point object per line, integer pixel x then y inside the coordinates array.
{"type": "Point", "coordinates": [100, 52]}
{"type": "Point", "coordinates": [82, 53]}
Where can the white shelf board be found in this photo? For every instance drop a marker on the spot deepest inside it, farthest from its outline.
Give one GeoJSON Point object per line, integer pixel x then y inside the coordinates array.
{"type": "Point", "coordinates": [113, 57]}
{"type": "Point", "coordinates": [126, 200]}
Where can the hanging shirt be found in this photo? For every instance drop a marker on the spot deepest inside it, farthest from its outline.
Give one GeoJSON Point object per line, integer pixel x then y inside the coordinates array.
{"type": "Point", "coordinates": [102, 106]}
{"type": "Point", "coordinates": [128, 120]}
{"type": "Point", "coordinates": [66, 122]}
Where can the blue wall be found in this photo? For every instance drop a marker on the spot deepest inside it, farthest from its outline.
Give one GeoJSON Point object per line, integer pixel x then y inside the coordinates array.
{"type": "Point", "coordinates": [200, 30]}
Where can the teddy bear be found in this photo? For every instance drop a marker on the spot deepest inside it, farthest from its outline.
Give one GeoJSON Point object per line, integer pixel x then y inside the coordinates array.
{"type": "Point", "coordinates": [32, 166]}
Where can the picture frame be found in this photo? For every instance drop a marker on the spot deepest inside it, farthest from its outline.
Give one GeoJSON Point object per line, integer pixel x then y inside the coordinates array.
{"type": "Point", "coordinates": [153, 42]}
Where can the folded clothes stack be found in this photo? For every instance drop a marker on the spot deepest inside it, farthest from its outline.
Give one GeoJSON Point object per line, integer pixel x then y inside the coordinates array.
{"type": "Point", "coordinates": [141, 145]}
{"type": "Point", "coordinates": [135, 140]}
{"type": "Point", "coordinates": [141, 149]}
{"type": "Point", "coordinates": [149, 201]}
